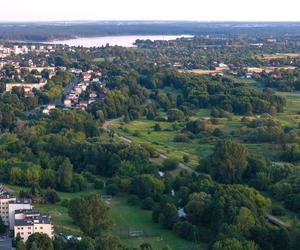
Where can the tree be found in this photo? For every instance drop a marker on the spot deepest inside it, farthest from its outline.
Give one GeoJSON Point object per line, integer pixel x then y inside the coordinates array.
{"type": "Point", "coordinates": [39, 241]}
{"type": "Point", "coordinates": [108, 242]}
{"type": "Point", "coordinates": [168, 216]}
{"type": "Point", "coordinates": [2, 226]}
{"type": "Point", "coordinates": [20, 245]}
{"type": "Point", "coordinates": [91, 214]}
{"type": "Point", "coordinates": [228, 162]}
{"type": "Point", "coordinates": [234, 244]}
{"type": "Point", "coordinates": [145, 246]}
{"type": "Point", "coordinates": [170, 164]}
{"type": "Point", "coordinates": [197, 209]}
{"type": "Point", "coordinates": [175, 115]}
{"type": "Point", "coordinates": [147, 203]}
{"type": "Point", "coordinates": [51, 196]}
{"type": "Point", "coordinates": [157, 127]}
{"type": "Point", "coordinates": [186, 230]}
{"type": "Point", "coordinates": [245, 220]}
{"type": "Point", "coordinates": [65, 174]}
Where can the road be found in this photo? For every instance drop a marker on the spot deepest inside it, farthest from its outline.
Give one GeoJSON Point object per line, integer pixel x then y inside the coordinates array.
{"type": "Point", "coordinates": [127, 141]}
{"type": "Point", "coordinates": [58, 101]}
{"type": "Point", "coordinates": [5, 243]}
{"type": "Point", "coordinates": [66, 90]}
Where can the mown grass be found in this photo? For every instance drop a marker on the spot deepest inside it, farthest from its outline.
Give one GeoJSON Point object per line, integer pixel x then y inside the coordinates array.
{"type": "Point", "coordinates": [128, 218]}
{"type": "Point", "coordinates": [125, 218]}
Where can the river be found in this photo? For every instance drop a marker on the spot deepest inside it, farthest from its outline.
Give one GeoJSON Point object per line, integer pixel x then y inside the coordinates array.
{"type": "Point", "coordinates": [125, 41]}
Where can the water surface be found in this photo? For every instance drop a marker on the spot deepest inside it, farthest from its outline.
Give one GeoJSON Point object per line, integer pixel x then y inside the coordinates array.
{"type": "Point", "coordinates": [125, 41]}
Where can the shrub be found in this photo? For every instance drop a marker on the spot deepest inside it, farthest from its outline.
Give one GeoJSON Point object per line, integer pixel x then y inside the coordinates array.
{"type": "Point", "coordinates": [181, 138]}
{"type": "Point", "coordinates": [99, 184]}
{"type": "Point", "coordinates": [170, 164]}
{"type": "Point", "coordinates": [278, 211]}
{"type": "Point", "coordinates": [133, 200]}
{"type": "Point", "coordinates": [147, 203]}
{"type": "Point", "coordinates": [112, 189]}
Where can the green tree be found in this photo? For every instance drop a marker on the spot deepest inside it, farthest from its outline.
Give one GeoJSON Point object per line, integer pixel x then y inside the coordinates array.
{"type": "Point", "coordinates": [234, 244]}
{"type": "Point", "coordinates": [197, 209]}
{"type": "Point", "coordinates": [168, 216]}
{"type": "Point", "coordinates": [39, 241]}
{"type": "Point", "coordinates": [65, 174]}
{"type": "Point", "coordinates": [245, 220]}
{"type": "Point", "coordinates": [108, 242]}
{"type": "Point", "coordinates": [175, 115]}
{"type": "Point", "coordinates": [145, 246]}
{"type": "Point", "coordinates": [228, 162]}
{"type": "Point", "coordinates": [20, 245]}
{"type": "Point", "coordinates": [2, 226]}
{"type": "Point", "coordinates": [91, 214]}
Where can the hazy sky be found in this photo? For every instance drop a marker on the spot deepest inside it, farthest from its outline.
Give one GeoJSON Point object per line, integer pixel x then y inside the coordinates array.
{"type": "Point", "coordinates": [203, 10]}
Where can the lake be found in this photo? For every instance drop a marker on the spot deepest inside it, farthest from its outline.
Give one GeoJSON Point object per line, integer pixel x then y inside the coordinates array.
{"type": "Point", "coordinates": [125, 41]}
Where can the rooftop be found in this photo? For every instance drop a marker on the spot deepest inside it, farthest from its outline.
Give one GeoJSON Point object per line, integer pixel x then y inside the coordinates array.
{"type": "Point", "coordinates": [21, 201]}
{"type": "Point", "coordinates": [40, 219]}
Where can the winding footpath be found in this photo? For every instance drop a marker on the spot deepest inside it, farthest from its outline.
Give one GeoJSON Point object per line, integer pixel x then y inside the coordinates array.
{"type": "Point", "coordinates": [182, 166]}
{"type": "Point", "coordinates": [127, 141]}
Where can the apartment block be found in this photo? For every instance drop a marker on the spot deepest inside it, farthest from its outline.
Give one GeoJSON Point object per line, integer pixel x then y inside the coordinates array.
{"type": "Point", "coordinates": [33, 223]}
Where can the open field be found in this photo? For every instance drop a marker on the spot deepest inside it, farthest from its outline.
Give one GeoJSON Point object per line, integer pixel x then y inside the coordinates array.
{"type": "Point", "coordinates": [125, 219]}
{"type": "Point", "coordinates": [279, 56]}
{"type": "Point", "coordinates": [268, 69]}
{"type": "Point", "coordinates": [204, 71]}
{"type": "Point", "coordinates": [133, 218]}
{"type": "Point", "coordinates": [141, 131]}
{"type": "Point", "coordinates": [290, 115]}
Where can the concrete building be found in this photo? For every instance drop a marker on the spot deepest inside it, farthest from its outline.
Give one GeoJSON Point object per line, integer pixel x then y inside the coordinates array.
{"type": "Point", "coordinates": [9, 86]}
{"type": "Point", "coordinates": [68, 103]}
{"type": "Point", "coordinates": [5, 199]}
{"type": "Point", "coordinates": [17, 205]}
{"type": "Point", "coordinates": [33, 223]}
{"type": "Point", "coordinates": [48, 109]}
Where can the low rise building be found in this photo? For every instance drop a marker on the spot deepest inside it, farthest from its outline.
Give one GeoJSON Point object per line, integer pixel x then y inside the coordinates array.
{"type": "Point", "coordinates": [33, 223]}
{"type": "Point", "coordinates": [48, 109]}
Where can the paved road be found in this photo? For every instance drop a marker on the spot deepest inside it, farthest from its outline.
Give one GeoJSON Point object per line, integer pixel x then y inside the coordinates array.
{"type": "Point", "coordinates": [127, 141]}
{"type": "Point", "coordinates": [58, 101]}
{"type": "Point", "coordinates": [5, 243]}
{"type": "Point", "coordinates": [66, 90]}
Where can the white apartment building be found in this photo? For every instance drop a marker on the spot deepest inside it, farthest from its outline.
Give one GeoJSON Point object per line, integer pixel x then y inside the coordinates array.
{"type": "Point", "coordinates": [5, 199]}
{"type": "Point", "coordinates": [14, 206]}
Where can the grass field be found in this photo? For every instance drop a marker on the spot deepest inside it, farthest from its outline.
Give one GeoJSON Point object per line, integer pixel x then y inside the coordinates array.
{"type": "Point", "coordinates": [204, 71]}
{"type": "Point", "coordinates": [279, 56]}
{"type": "Point", "coordinates": [141, 131]}
{"type": "Point", "coordinates": [290, 115]}
{"type": "Point", "coordinates": [125, 218]}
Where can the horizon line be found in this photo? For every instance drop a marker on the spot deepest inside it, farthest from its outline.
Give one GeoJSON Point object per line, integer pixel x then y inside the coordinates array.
{"type": "Point", "coordinates": [151, 20]}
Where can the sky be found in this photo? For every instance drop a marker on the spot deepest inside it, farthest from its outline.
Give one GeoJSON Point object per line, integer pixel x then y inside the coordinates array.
{"type": "Point", "coordinates": [195, 10]}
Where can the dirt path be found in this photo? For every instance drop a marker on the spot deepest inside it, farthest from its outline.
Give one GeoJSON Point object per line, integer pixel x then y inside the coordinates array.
{"type": "Point", "coordinates": [277, 220]}
{"type": "Point", "coordinates": [127, 141]}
